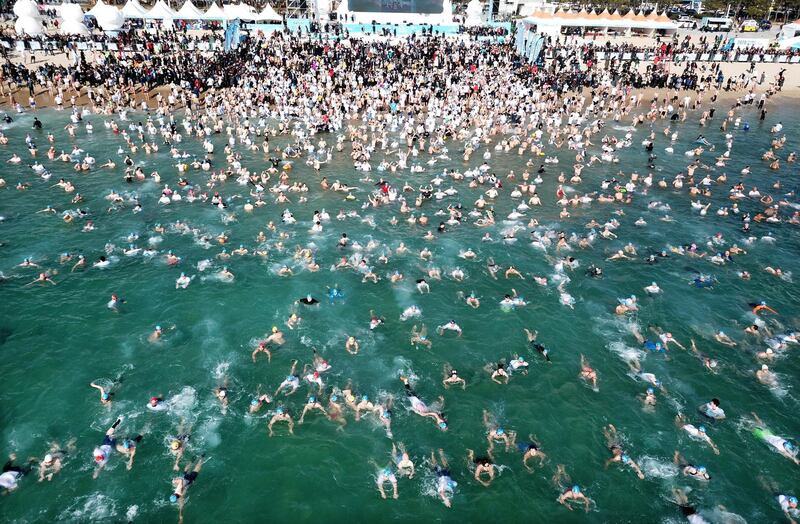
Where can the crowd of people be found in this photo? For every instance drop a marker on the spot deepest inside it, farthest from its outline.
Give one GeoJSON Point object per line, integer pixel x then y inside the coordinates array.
{"type": "Point", "coordinates": [393, 108]}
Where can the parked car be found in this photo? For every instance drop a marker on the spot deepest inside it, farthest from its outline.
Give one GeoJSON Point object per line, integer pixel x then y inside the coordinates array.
{"type": "Point", "coordinates": [686, 22]}
{"type": "Point", "coordinates": [765, 25]}
{"type": "Point", "coordinates": [749, 26]}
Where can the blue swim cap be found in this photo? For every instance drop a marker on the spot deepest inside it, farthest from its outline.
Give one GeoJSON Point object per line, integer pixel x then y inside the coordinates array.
{"type": "Point", "coordinates": [279, 411]}
{"type": "Point", "coordinates": [312, 399]}
{"type": "Point", "coordinates": [254, 402]}
{"type": "Point", "coordinates": [701, 469]}
{"type": "Point", "coordinates": [658, 383]}
{"type": "Point", "coordinates": [364, 398]}
{"type": "Point", "coordinates": [788, 446]}
{"type": "Point", "coordinates": [386, 414]}
{"type": "Point", "coordinates": [104, 396]}
{"type": "Point", "coordinates": [625, 459]}
{"type": "Point", "coordinates": [576, 489]}
{"type": "Point", "coordinates": [701, 429]}
{"type": "Point", "coordinates": [499, 431]}
{"type": "Point", "coordinates": [792, 500]}
{"type": "Point", "coordinates": [387, 471]}
{"type": "Point", "coordinates": [173, 498]}
{"type": "Point", "coordinates": [289, 377]}
{"type": "Point", "coordinates": [443, 425]}
{"type": "Point", "coordinates": [334, 398]}
{"type": "Point", "coordinates": [649, 391]}
{"type": "Point", "coordinates": [126, 444]}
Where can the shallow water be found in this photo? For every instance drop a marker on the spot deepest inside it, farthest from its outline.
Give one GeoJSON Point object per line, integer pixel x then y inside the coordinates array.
{"type": "Point", "coordinates": [57, 339]}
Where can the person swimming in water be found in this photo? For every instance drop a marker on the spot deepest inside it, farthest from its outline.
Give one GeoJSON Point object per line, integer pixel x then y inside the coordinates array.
{"type": "Point", "coordinates": [290, 383]}
{"type": "Point", "coordinates": [778, 444]}
{"type": "Point", "coordinates": [570, 493]}
{"type": "Point", "coordinates": [531, 449]}
{"type": "Point", "coordinates": [180, 485]}
{"type": "Point", "coordinates": [483, 466]}
{"type": "Point", "coordinates": [618, 455]}
{"type": "Point", "coordinates": [445, 485]}
{"type": "Point", "coordinates": [281, 414]}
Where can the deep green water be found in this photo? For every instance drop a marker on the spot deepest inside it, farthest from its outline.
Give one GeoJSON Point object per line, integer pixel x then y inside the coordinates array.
{"type": "Point", "coordinates": [57, 339]}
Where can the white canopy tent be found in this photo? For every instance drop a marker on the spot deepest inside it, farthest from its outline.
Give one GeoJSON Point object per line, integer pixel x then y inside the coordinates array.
{"type": "Point", "coordinates": [133, 9]}
{"type": "Point", "coordinates": [189, 11]}
{"type": "Point", "coordinates": [269, 14]}
{"type": "Point", "coordinates": [71, 20]}
{"type": "Point", "coordinates": [29, 21]}
{"type": "Point", "coordinates": [160, 11]}
{"type": "Point", "coordinates": [241, 11]}
{"type": "Point", "coordinates": [97, 8]}
{"type": "Point", "coordinates": [554, 23]}
{"type": "Point", "coordinates": [215, 12]}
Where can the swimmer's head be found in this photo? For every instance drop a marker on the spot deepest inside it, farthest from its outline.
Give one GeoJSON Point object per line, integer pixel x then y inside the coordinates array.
{"type": "Point", "coordinates": [274, 329]}
{"type": "Point", "coordinates": [279, 411]}
{"type": "Point", "coordinates": [174, 498]}
{"type": "Point", "coordinates": [625, 459]}
{"type": "Point", "coordinates": [793, 502]}
{"type": "Point", "coordinates": [576, 489]}
{"type": "Point", "coordinates": [312, 399]}
{"type": "Point", "coordinates": [126, 444]}
{"type": "Point", "coordinates": [788, 446]}
{"type": "Point", "coordinates": [105, 396]}
{"type": "Point", "coordinates": [154, 401]}
{"type": "Point", "coordinates": [48, 459]}
{"type": "Point", "coordinates": [175, 444]}
{"type": "Point", "coordinates": [701, 429]}
{"type": "Point", "coordinates": [764, 367]}
{"type": "Point", "coordinates": [649, 391]}
{"type": "Point", "coordinates": [334, 398]}
{"type": "Point", "coordinates": [500, 431]}
{"type": "Point", "coordinates": [443, 425]}
{"type": "Point", "coordinates": [222, 393]}
{"type": "Point", "coordinates": [701, 470]}
{"type": "Point", "coordinates": [254, 402]}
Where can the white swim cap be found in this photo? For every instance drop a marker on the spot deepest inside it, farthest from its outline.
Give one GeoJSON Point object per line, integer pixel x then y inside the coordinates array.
{"type": "Point", "coordinates": [48, 458]}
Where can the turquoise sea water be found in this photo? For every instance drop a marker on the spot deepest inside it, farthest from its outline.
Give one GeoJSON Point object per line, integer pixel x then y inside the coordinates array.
{"type": "Point", "coordinates": [55, 340]}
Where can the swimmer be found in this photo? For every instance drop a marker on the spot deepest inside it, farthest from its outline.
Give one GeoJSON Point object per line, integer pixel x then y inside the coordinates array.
{"type": "Point", "coordinates": [281, 414]}
{"type": "Point", "coordinates": [483, 466]}
{"type": "Point", "coordinates": [588, 374]}
{"type": "Point", "coordinates": [290, 383]}
{"type": "Point", "coordinates": [445, 485]}
{"type": "Point", "coordinates": [779, 444]}
{"type": "Point", "coordinates": [103, 452]}
{"type": "Point", "coordinates": [530, 450]}
{"type": "Point", "coordinates": [127, 446]}
{"type": "Point", "coordinates": [420, 337]}
{"type": "Point", "coordinates": [181, 484]}
{"type": "Point", "coordinates": [221, 394]}
{"type": "Point", "coordinates": [105, 396]}
{"type": "Point", "coordinates": [698, 433]}
{"type": "Point", "coordinates": [617, 454]}
{"type": "Point", "coordinates": [531, 336]}
{"type": "Point", "coordinates": [403, 462]}
{"type": "Point", "coordinates": [690, 470]}
{"type": "Point", "coordinates": [569, 494]}
{"type": "Point", "coordinates": [450, 326]}
{"type": "Point", "coordinates": [385, 475]}
{"type": "Point", "coordinates": [311, 404]}
{"type": "Point", "coordinates": [351, 345]}
{"type": "Point", "coordinates": [451, 378]}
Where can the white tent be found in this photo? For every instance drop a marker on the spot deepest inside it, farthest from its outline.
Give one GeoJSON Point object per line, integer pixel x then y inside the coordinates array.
{"type": "Point", "coordinates": [269, 14]}
{"type": "Point", "coordinates": [26, 8]}
{"type": "Point", "coordinates": [189, 11]}
{"type": "Point", "coordinates": [215, 12]}
{"type": "Point", "coordinates": [241, 11]}
{"type": "Point", "coordinates": [28, 25]}
{"type": "Point", "coordinates": [133, 9]}
{"type": "Point", "coordinates": [160, 11]}
{"type": "Point", "coordinates": [71, 20]}
{"type": "Point", "coordinates": [110, 19]}
{"type": "Point", "coordinates": [97, 9]}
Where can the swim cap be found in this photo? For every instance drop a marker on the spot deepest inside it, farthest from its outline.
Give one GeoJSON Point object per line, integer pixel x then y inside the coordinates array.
{"type": "Point", "coordinates": [279, 411]}
{"type": "Point", "coordinates": [701, 429]}
{"type": "Point", "coordinates": [788, 446]}
{"type": "Point", "coordinates": [625, 459]}
{"type": "Point", "coordinates": [793, 500]}
{"type": "Point", "coordinates": [154, 401]}
{"type": "Point", "coordinates": [364, 398]}
{"type": "Point", "coordinates": [387, 471]}
{"type": "Point", "coordinates": [48, 458]}
{"type": "Point", "coordinates": [222, 393]}
{"type": "Point", "coordinates": [576, 489]}
{"type": "Point", "coordinates": [649, 391]}
{"type": "Point", "coordinates": [499, 431]}
{"type": "Point", "coordinates": [443, 425]}
{"type": "Point", "coordinates": [254, 402]}
{"type": "Point", "coordinates": [173, 498]}
{"type": "Point", "coordinates": [126, 444]}
{"type": "Point", "coordinates": [312, 400]}
{"type": "Point", "coordinates": [274, 329]}
{"type": "Point", "coordinates": [701, 469]}
{"type": "Point", "coordinates": [764, 367]}
{"type": "Point", "coordinates": [175, 444]}
{"type": "Point", "coordinates": [386, 414]}
{"type": "Point", "coordinates": [334, 398]}
{"type": "Point", "coordinates": [158, 328]}
{"type": "Point", "coordinates": [104, 396]}
{"type": "Point", "coordinates": [99, 457]}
